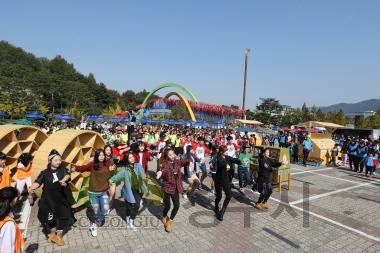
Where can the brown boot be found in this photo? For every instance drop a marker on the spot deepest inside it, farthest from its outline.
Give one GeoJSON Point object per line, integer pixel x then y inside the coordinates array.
{"type": "Point", "coordinates": [169, 226]}
{"type": "Point", "coordinates": [265, 206]}
{"type": "Point", "coordinates": [165, 220]}
{"type": "Point", "coordinates": [50, 236]}
{"type": "Point", "coordinates": [259, 206]}
{"type": "Point", "coordinates": [57, 238]}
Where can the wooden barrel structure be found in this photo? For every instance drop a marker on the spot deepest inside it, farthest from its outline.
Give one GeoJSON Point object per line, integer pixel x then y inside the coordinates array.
{"type": "Point", "coordinates": [76, 147]}
{"type": "Point", "coordinates": [18, 139]}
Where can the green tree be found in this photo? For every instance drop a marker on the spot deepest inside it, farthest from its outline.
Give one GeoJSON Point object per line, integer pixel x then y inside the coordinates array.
{"type": "Point", "coordinates": [340, 118]}
{"type": "Point", "coordinates": [313, 113]}
{"type": "Point", "coordinates": [320, 116]}
{"type": "Point", "coordinates": [250, 115]}
{"type": "Point", "coordinates": [269, 111]}
{"type": "Point", "coordinates": [372, 122]}
{"type": "Point", "coordinates": [292, 118]}
{"type": "Point", "coordinates": [111, 111]}
{"type": "Point", "coordinates": [360, 122]}
{"type": "Point", "coordinates": [305, 113]}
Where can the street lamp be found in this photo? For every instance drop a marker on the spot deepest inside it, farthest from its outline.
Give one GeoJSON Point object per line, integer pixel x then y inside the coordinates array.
{"type": "Point", "coordinates": [245, 81]}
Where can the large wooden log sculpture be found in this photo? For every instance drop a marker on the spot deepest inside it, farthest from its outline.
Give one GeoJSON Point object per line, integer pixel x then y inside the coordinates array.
{"type": "Point", "coordinates": [18, 139]}
{"type": "Point", "coordinates": [76, 147]}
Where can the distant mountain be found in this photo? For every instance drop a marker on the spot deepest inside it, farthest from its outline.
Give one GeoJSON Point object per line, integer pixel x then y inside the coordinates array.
{"type": "Point", "coordinates": [366, 105]}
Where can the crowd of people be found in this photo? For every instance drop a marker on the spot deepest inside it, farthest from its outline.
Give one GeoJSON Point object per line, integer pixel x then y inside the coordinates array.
{"type": "Point", "coordinates": [183, 154]}
{"type": "Point", "coordinates": [360, 155]}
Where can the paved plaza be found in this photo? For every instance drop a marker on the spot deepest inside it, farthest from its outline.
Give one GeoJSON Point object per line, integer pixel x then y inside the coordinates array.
{"type": "Point", "coordinates": [326, 210]}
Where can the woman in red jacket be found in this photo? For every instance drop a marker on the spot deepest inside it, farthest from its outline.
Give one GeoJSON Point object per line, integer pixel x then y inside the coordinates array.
{"type": "Point", "coordinates": [143, 156]}
{"type": "Point", "coordinates": [172, 185]}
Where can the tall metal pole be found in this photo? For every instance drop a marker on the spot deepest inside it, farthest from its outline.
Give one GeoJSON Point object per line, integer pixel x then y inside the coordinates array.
{"type": "Point", "coordinates": [245, 81]}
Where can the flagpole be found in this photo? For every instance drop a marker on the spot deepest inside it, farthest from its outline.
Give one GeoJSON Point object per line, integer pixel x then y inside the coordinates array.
{"type": "Point", "coordinates": [245, 82]}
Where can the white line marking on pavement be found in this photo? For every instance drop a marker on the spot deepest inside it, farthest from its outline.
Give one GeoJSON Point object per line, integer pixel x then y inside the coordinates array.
{"type": "Point", "coordinates": [296, 169]}
{"type": "Point", "coordinates": [327, 194]}
{"type": "Point", "coordinates": [342, 179]}
{"type": "Point", "coordinates": [305, 171]}
{"type": "Point", "coordinates": [327, 219]}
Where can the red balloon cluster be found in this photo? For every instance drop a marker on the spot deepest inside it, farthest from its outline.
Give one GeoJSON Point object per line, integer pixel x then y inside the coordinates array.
{"type": "Point", "coordinates": [200, 107]}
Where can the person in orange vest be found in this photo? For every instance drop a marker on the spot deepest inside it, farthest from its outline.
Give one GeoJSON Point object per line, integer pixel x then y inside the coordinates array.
{"type": "Point", "coordinates": [11, 239]}
{"type": "Point", "coordinates": [24, 175]}
{"type": "Point", "coordinates": [5, 179]}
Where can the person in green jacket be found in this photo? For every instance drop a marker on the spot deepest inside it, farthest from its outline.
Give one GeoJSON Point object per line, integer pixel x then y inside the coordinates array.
{"type": "Point", "coordinates": [133, 176]}
{"type": "Point", "coordinates": [246, 158]}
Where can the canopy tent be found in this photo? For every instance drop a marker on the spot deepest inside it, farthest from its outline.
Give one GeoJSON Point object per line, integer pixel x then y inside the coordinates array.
{"type": "Point", "coordinates": [217, 125]}
{"type": "Point", "coordinates": [64, 117]}
{"type": "Point", "coordinates": [245, 129]}
{"type": "Point", "coordinates": [116, 120]}
{"type": "Point", "coordinates": [328, 125]}
{"type": "Point", "coordinates": [67, 117]}
{"type": "Point", "coordinates": [24, 122]}
{"type": "Point", "coordinates": [35, 116]}
{"type": "Point", "coordinates": [249, 122]}
{"type": "Point", "coordinates": [200, 124]}
{"type": "Point", "coordinates": [95, 118]}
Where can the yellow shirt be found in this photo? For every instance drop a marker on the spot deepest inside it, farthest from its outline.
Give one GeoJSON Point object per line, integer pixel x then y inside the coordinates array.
{"type": "Point", "coordinates": [124, 138]}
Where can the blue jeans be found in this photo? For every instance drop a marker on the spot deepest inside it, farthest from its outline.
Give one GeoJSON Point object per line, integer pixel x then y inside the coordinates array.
{"type": "Point", "coordinates": [369, 169]}
{"type": "Point", "coordinates": [100, 202]}
{"type": "Point", "coordinates": [244, 177]}
{"type": "Point", "coordinates": [201, 168]}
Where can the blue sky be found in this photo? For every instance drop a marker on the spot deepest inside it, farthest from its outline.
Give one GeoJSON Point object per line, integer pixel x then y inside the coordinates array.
{"type": "Point", "coordinates": [319, 52]}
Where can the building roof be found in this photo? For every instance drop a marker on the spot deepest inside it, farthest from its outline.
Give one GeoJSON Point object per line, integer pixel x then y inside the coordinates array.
{"type": "Point", "coordinates": [320, 124]}
{"type": "Point", "coordinates": [250, 122]}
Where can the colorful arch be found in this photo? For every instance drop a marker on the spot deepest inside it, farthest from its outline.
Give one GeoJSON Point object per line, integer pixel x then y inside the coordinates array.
{"type": "Point", "coordinates": [166, 85]}
{"type": "Point", "coordinates": [184, 100]}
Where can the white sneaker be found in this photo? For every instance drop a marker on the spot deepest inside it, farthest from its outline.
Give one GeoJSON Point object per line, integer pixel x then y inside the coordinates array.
{"type": "Point", "coordinates": [127, 219]}
{"type": "Point", "coordinates": [141, 205]}
{"type": "Point", "coordinates": [242, 190]}
{"type": "Point", "coordinates": [131, 225]}
{"type": "Point", "coordinates": [94, 229]}
{"type": "Point", "coordinates": [185, 196]}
